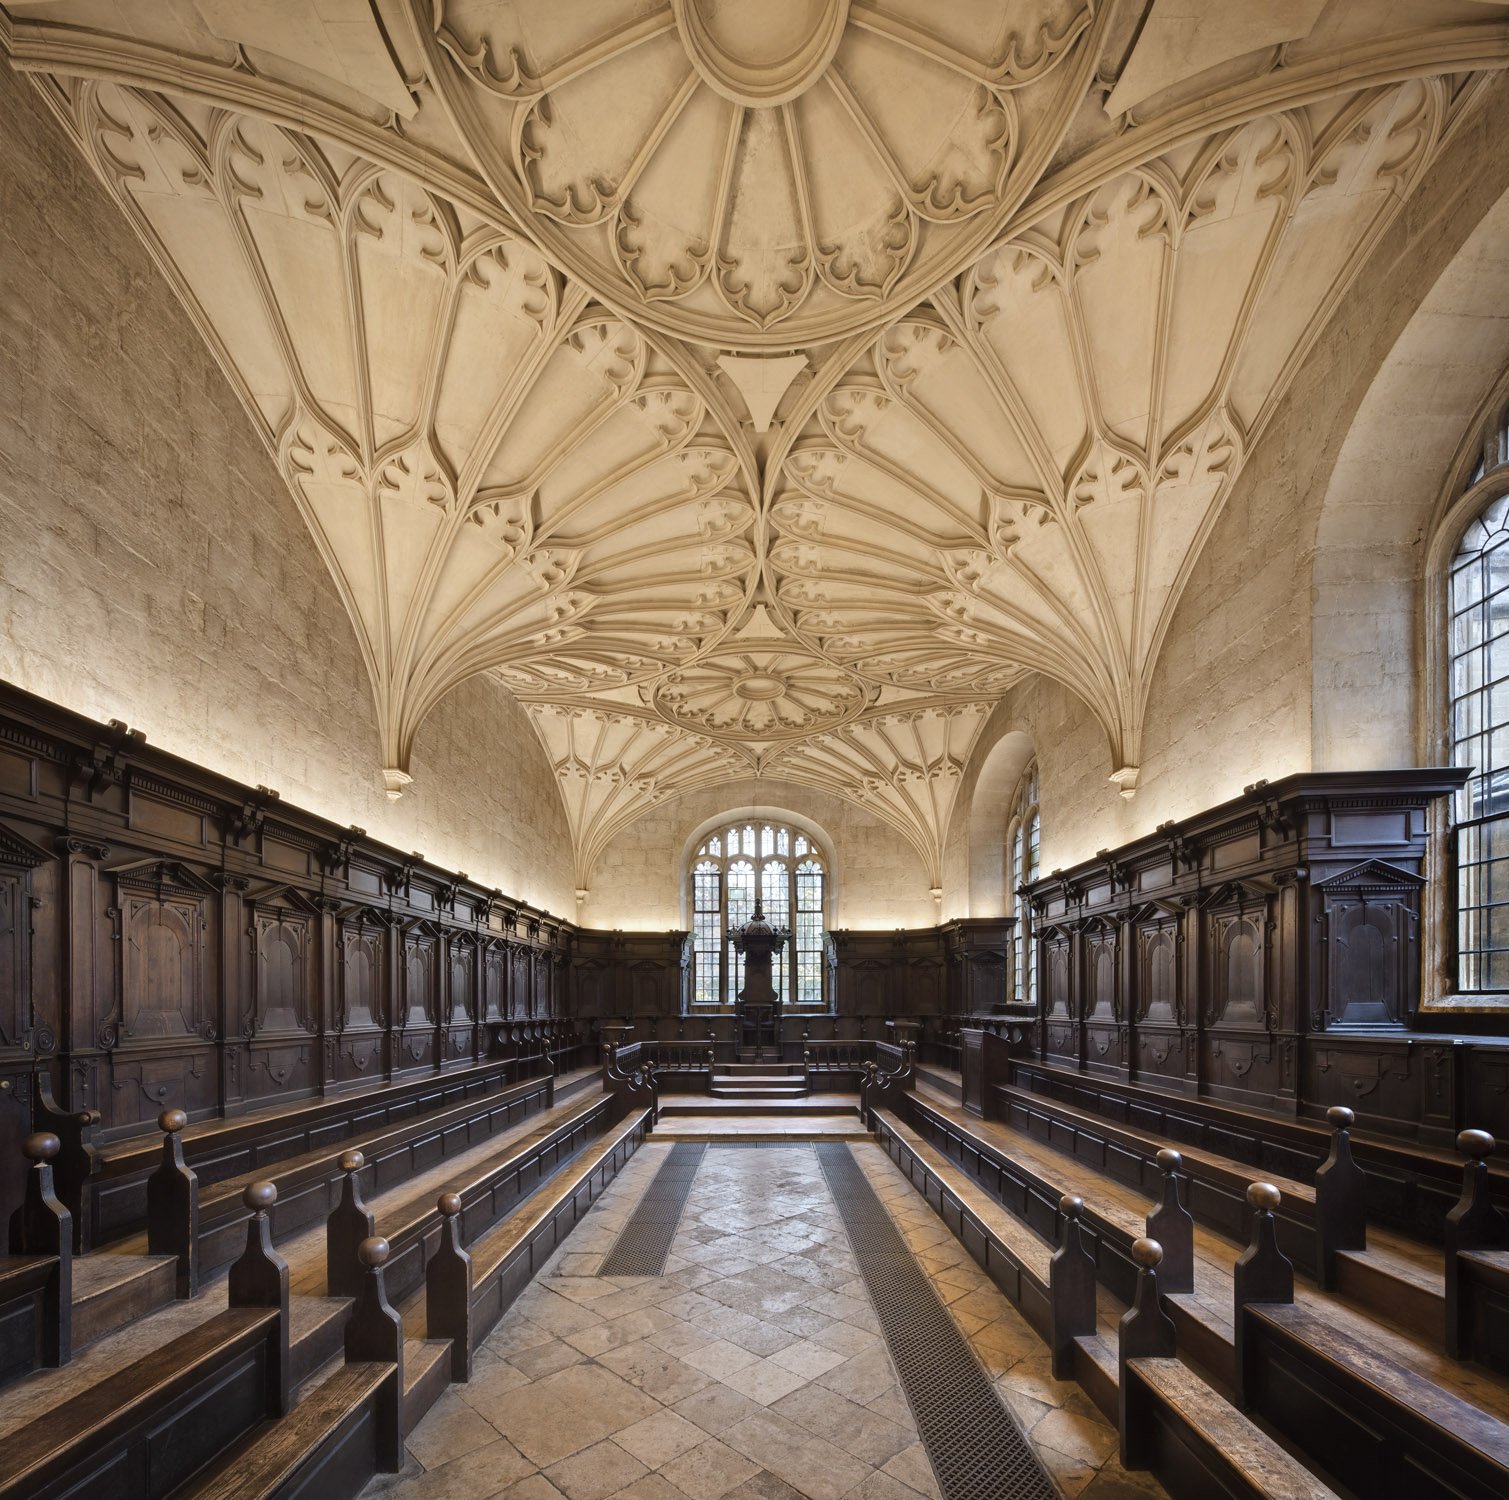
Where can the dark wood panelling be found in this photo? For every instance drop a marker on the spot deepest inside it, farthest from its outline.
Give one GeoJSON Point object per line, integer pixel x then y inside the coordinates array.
{"type": "Point", "coordinates": [1264, 953]}
{"type": "Point", "coordinates": [168, 937]}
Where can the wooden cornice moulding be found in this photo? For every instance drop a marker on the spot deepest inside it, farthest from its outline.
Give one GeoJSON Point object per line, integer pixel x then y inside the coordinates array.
{"type": "Point", "coordinates": [1274, 807]}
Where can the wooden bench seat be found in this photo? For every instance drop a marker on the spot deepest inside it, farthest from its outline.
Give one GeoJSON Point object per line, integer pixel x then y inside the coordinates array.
{"type": "Point", "coordinates": [1201, 1446]}
{"type": "Point", "coordinates": [1396, 1276]}
{"type": "Point", "coordinates": [150, 1426]}
{"type": "Point", "coordinates": [467, 1293]}
{"type": "Point", "coordinates": [488, 1190]}
{"type": "Point", "coordinates": [1378, 1426]}
{"type": "Point", "coordinates": [1399, 1279]}
{"type": "Point", "coordinates": [1053, 1289]}
{"type": "Point", "coordinates": [1411, 1186]}
{"type": "Point", "coordinates": [28, 1294]}
{"type": "Point", "coordinates": [254, 1145]}
{"type": "Point", "coordinates": [324, 1449]}
{"type": "Point", "coordinates": [307, 1184]}
{"type": "Point", "coordinates": [1205, 1319]}
{"type": "Point", "coordinates": [1483, 1286]}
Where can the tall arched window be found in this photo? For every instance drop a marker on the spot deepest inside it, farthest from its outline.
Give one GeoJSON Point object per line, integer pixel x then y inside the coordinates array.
{"type": "Point", "coordinates": [1023, 836]}
{"type": "Point", "coordinates": [789, 872]}
{"type": "Point", "coordinates": [1479, 694]}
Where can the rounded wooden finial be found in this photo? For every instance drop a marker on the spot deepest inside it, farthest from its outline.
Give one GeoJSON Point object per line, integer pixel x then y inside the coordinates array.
{"type": "Point", "coordinates": [1475, 1143]}
{"type": "Point", "coordinates": [42, 1146]}
{"type": "Point", "coordinates": [1341, 1117]}
{"type": "Point", "coordinates": [260, 1196]}
{"type": "Point", "coordinates": [1071, 1206]}
{"type": "Point", "coordinates": [1147, 1253]}
{"type": "Point", "coordinates": [352, 1161]}
{"type": "Point", "coordinates": [373, 1251]}
{"type": "Point", "coordinates": [449, 1204]}
{"type": "Point", "coordinates": [172, 1121]}
{"type": "Point", "coordinates": [1170, 1160]}
{"type": "Point", "coordinates": [1264, 1197]}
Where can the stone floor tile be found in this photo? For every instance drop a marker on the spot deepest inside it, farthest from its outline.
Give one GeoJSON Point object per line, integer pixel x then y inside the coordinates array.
{"type": "Point", "coordinates": [764, 1381]}
{"type": "Point", "coordinates": [807, 1359]}
{"type": "Point", "coordinates": [1092, 1440]}
{"type": "Point", "coordinates": [862, 1378]}
{"type": "Point", "coordinates": [596, 1472]}
{"type": "Point", "coordinates": [545, 1359]}
{"type": "Point", "coordinates": [664, 1376]}
{"type": "Point", "coordinates": [536, 1487]}
{"type": "Point", "coordinates": [451, 1430]}
{"type": "Point", "coordinates": [720, 1359]}
{"type": "Point", "coordinates": [764, 1486]}
{"type": "Point", "coordinates": [651, 1487]}
{"type": "Point", "coordinates": [491, 1381]}
{"type": "Point", "coordinates": [660, 1437]}
{"type": "Point", "coordinates": [709, 1471]}
{"type": "Point", "coordinates": [629, 1329]}
{"type": "Point", "coordinates": [477, 1475]}
{"type": "Point", "coordinates": [846, 1339]}
{"type": "Point", "coordinates": [881, 1486]}
{"type": "Point", "coordinates": [894, 1407]}
{"type": "Point", "coordinates": [860, 1432]}
{"type": "Point", "coordinates": [568, 1411]}
{"type": "Point", "coordinates": [717, 1408]}
{"type": "Point", "coordinates": [813, 1467]}
{"type": "Point", "coordinates": [912, 1468]}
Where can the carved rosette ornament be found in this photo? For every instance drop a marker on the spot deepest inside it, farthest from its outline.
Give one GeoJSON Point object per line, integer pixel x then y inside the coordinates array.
{"type": "Point", "coordinates": [761, 694]}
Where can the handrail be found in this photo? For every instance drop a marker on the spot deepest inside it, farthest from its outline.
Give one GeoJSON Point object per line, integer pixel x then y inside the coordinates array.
{"type": "Point", "coordinates": [633, 1085]}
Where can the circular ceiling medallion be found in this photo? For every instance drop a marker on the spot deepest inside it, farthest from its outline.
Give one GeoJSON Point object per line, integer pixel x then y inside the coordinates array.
{"type": "Point", "coordinates": [760, 687]}
{"type": "Point", "coordinates": [762, 175]}
{"type": "Point", "coordinates": [765, 54]}
{"type": "Point", "coordinates": [761, 693]}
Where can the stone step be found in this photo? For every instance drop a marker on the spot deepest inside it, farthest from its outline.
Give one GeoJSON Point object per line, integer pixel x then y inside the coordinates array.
{"type": "Point", "coordinates": [808, 1104]}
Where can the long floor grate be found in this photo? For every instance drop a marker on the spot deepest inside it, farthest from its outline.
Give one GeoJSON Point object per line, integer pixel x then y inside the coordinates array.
{"type": "Point", "coordinates": [645, 1241]}
{"type": "Point", "coordinates": [976, 1449]}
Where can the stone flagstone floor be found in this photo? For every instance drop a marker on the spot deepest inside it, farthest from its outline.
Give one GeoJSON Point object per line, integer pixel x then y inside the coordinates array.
{"type": "Point", "coordinates": [752, 1370]}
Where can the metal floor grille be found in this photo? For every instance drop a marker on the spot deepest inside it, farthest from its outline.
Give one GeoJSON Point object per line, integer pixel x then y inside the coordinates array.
{"type": "Point", "coordinates": [977, 1452]}
{"type": "Point", "coordinates": [645, 1241]}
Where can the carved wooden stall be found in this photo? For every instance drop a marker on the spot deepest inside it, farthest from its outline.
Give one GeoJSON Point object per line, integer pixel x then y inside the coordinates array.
{"type": "Point", "coordinates": [1265, 953]}
{"type": "Point", "coordinates": [168, 937]}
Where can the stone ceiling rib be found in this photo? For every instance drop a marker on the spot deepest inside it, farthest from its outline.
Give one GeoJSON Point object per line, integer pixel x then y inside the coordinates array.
{"type": "Point", "coordinates": [496, 285]}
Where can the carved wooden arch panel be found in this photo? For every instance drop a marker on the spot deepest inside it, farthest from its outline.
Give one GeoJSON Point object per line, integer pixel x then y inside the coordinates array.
{"type": "Point", "coordinates": [161, 925]}
{"type": "Point", "coordinates": [1237, 926]}
{"type": "Point", "coordinates": [283, 932]}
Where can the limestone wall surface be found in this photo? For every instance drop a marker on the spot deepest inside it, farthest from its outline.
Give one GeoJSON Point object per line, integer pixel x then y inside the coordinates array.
{"type": "Point", "coordinates": [878, 881]}
{"type": "Point", "coordinates": [153, 567]}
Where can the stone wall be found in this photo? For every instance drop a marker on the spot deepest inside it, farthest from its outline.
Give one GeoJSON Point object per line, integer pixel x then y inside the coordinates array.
{"type": "Point", "coordinates": [879, 880]}
{"type": "Point", "coordinates": [154, 568]}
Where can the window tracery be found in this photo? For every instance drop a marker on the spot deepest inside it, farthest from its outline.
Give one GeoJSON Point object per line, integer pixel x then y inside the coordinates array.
{"type": "Point", "coordinates": [1477, 689]}
{"type": "Point", "coordinates": [1024, 837]}
{"type": "Point", "coordinates": [791, 875]}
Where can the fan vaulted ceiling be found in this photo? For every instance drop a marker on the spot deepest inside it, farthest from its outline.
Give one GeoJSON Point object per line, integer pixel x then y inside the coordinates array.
{"type": "Point", "coordinates": [759, 388]}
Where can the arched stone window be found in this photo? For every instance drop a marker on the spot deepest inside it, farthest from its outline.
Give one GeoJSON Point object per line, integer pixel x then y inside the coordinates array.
{"type": "Point", "coordinates": [1023, 838]}
{"type": "Point", "coordinates": [789, 871]}
{"type": "Point", "coordinates": [1477, 689]}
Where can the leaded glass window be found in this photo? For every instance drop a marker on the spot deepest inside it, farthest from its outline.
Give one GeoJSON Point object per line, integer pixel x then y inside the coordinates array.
{"type": "Point", "coordinates": [1479, 688]}
{"type": "Point", "coordinates": [1024, 836]}
{"type": "Point", "coordinates": [791, 878]}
